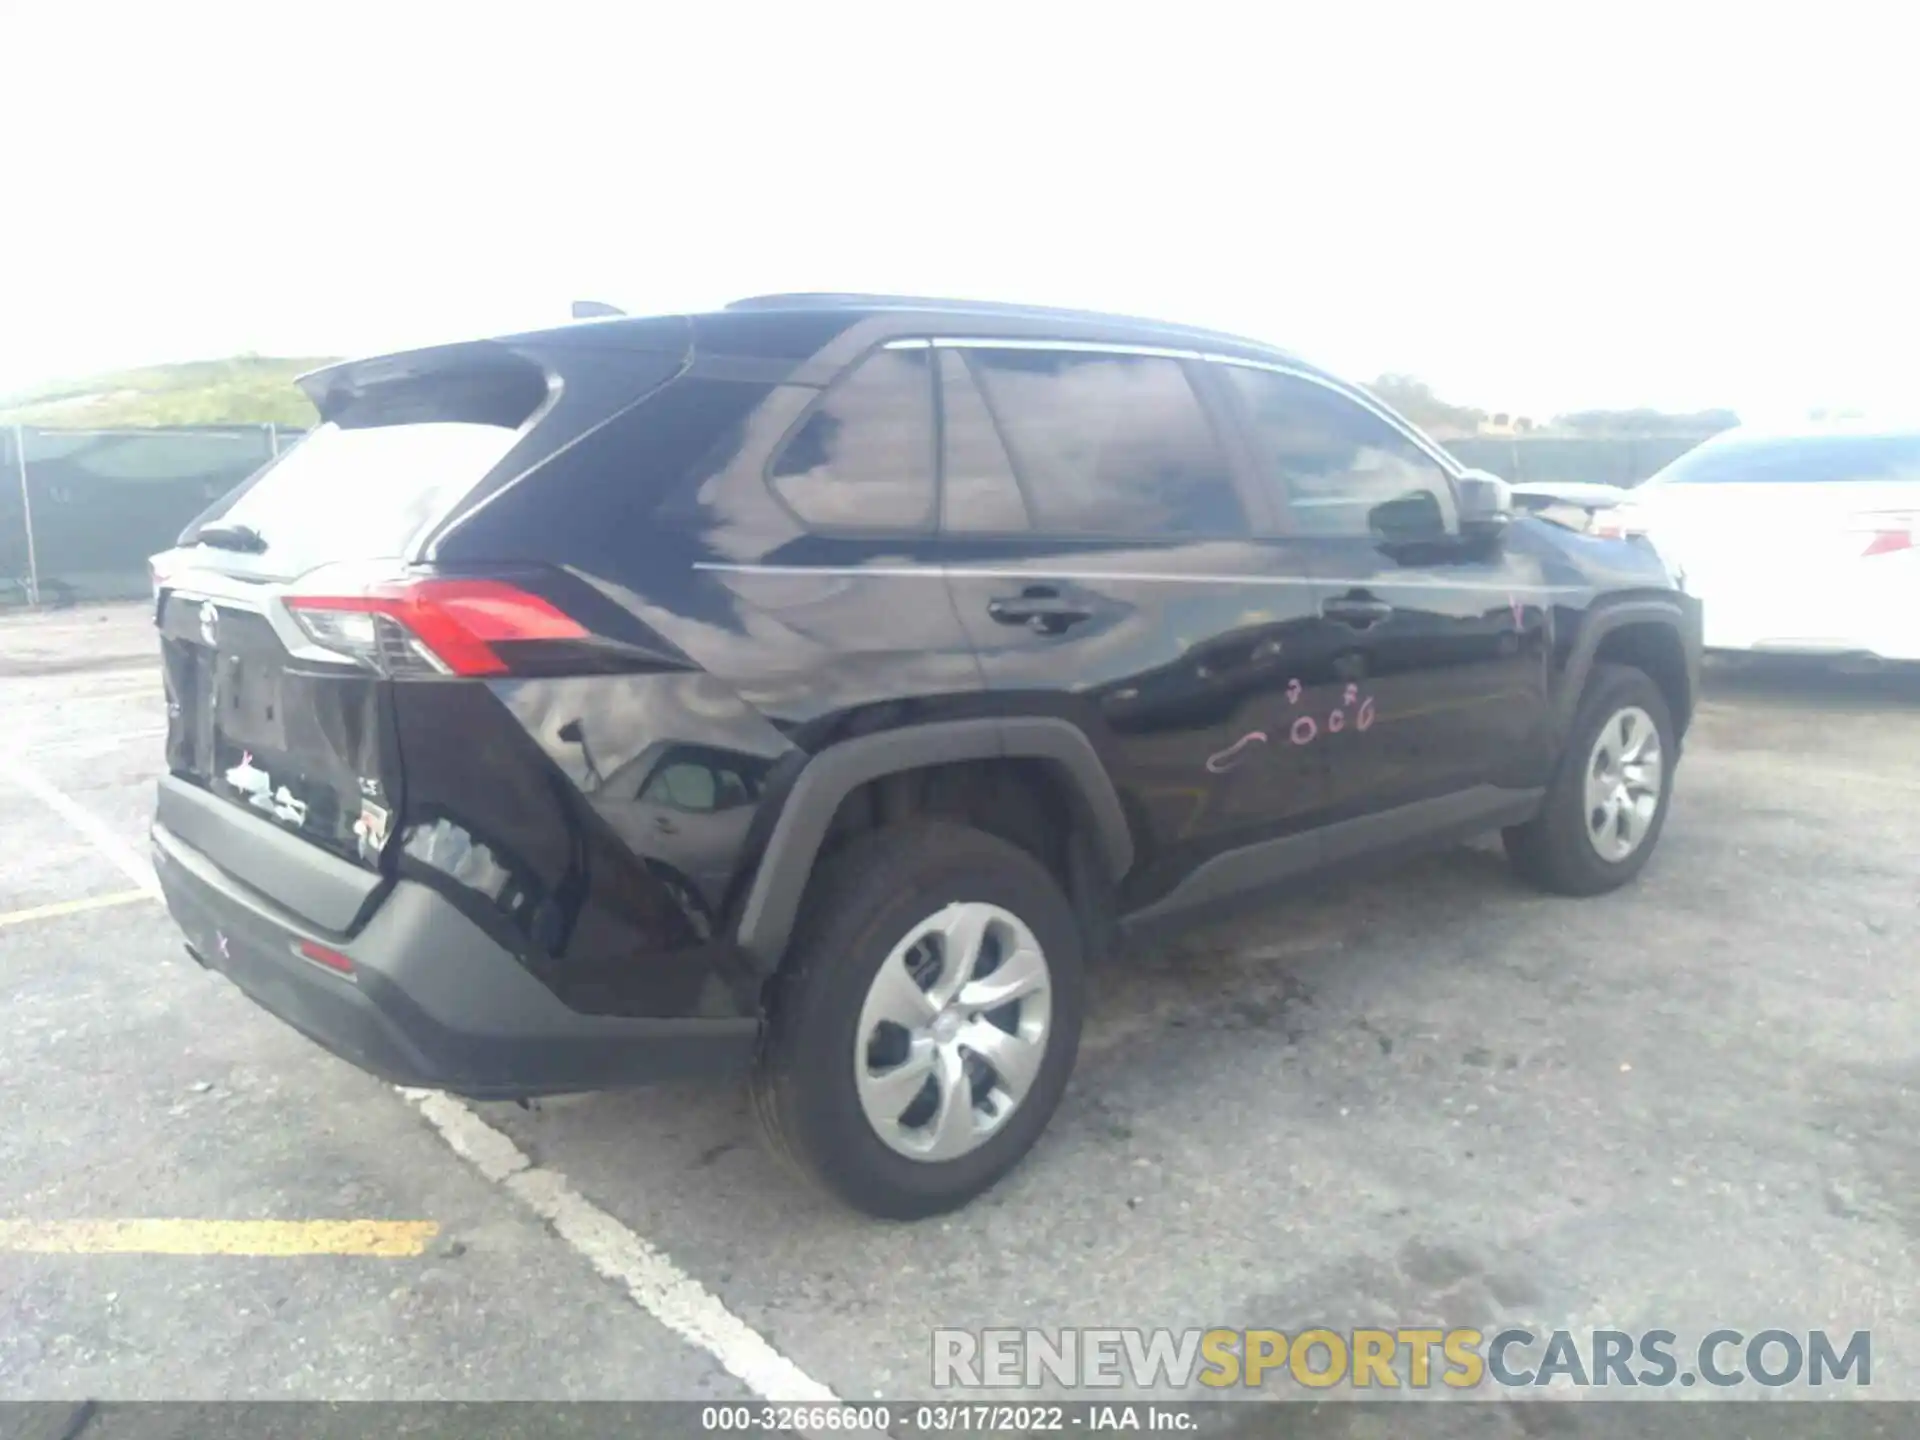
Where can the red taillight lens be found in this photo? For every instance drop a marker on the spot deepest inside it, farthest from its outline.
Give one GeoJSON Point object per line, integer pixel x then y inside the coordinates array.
{"type": "Point", "coordinates": [1619, 523]}
{"type": "Point", "coordinates": [1886, 531]}
{"type": "Point", "coordinates": [435, 626]}
{"type": "Point", "coordinates": [321, 955]}
{"type": "Point", "coordinates": [1888, 541]}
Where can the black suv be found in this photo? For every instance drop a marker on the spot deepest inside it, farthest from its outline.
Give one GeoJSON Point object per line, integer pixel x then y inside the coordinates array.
{"type": "Point", "coordinates": [812, 686]}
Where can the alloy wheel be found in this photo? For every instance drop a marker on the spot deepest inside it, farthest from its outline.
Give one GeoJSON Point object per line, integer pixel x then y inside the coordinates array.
{"type": "Point", "coordinates": [1623, 788]}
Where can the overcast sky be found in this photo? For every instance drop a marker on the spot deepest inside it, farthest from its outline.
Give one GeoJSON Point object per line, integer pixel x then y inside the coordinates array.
{"type": "Point", "coordinates": [1535, 207]}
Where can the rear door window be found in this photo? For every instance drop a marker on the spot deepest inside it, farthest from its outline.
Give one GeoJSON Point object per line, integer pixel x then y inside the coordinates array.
{"type": "Point", "coordinates": [365, 492]}
{"type": "Point", "coordinates": [1342, 470]}
{"type": "Point", "coordinates": [1100, 445]}
{"type": "Point", "coordinates": [863, 459]}
{"type": "Point", "coordinates": [979, 493]}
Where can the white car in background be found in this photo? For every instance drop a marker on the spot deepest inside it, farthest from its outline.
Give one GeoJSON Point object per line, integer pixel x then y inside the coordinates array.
{"type": "Point", "coordinates": [1797, 542]}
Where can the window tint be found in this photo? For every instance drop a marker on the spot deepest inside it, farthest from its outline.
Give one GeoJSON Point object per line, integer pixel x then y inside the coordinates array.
{"type": "Point", "coordinates": [1108, 444]}
{"type": "Point", "coordinates": [978, 488]}
{"type": "Point", "coordinates": [1807, 459]}
{"type": "Point", "coordinates": [1344, 470]}
{"type": "Point", "coordinates": [864, 459]}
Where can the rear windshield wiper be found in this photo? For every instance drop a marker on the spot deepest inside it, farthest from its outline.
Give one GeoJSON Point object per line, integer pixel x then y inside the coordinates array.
{"type": "Point", "coordinates": [232, 537]}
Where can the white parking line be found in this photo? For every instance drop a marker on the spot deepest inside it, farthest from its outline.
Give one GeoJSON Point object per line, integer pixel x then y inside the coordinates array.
{"type": "Point", "coordinates": [657, 1285]}
{"type": "Point", "coordinates": [134, 866]}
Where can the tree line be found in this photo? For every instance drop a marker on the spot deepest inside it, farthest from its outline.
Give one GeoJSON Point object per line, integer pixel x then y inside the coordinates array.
{"type": "Point", "coordinates": [1415, 399]}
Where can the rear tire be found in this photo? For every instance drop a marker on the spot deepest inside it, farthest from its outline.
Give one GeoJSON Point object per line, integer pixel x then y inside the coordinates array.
{"type": "Point", "coordinates": [986, 914]}
{"type": "Point", "coordinates": [1579, 842]}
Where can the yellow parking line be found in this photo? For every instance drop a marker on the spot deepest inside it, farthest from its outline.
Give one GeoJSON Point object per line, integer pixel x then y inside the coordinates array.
{"type": "Point", "coordinates": [73, 907]}
{"type": "Point", "coordinates": [386, 1239]}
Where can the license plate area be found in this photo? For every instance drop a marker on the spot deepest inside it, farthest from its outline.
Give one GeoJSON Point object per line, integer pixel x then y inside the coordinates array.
{"type": "Point", "coordinates": [291, 742]}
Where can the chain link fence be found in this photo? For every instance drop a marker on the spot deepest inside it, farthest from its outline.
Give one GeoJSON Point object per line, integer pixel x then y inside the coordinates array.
{"type": "Point", "coordinates": [81, 510]}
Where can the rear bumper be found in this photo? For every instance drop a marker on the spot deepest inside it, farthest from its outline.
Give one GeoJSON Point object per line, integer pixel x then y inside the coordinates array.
{"type": "Point", "coordinates": [1870, 607]}
{"type": "Point", "coordinates": [432, 1001]}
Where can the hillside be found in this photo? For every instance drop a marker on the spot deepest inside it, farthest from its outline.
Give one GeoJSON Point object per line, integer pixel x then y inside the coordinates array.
{"type": "Point", "coordinates": [246, 389]}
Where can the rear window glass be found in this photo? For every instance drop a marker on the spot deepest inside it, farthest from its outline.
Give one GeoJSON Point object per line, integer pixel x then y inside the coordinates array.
{"type": "Point", "coordinates": [363, 494]}
{"type": "Point", "coordinates": [864, 459]}
{"type": "Point", "coordinates": [1801, 459]}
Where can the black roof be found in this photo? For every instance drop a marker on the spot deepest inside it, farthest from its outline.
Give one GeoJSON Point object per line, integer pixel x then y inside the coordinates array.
{"type": "Point", "coordinates": [807, 334]}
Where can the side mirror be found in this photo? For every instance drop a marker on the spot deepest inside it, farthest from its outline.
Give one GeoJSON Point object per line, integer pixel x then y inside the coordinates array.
{"type": "Point", "coordinates": [1411, 519]}
{"type": "Point", "coordinates": [1486, 506]}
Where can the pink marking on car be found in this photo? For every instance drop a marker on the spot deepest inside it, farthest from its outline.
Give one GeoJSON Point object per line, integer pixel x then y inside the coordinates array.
{"type": "Point", "coordinates": [1227, 759]}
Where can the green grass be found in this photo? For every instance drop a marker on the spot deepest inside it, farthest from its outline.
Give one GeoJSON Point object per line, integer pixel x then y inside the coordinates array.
{"type": "Point", "coordinates": [245, 389]}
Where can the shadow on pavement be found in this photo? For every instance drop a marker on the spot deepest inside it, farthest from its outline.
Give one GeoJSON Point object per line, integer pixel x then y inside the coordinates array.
{"type": "Point", "coordinates": [1810, 684]}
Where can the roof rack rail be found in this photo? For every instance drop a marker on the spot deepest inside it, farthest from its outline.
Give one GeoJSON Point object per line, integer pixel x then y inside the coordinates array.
{"type": "Point", "coordinates": [838, 299]}
{"type": "Point", "coordinates": [827, 299]}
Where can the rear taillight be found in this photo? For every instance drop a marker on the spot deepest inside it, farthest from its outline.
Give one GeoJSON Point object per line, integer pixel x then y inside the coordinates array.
{"type": "Point", "coordinates": [430, 626]}
{"type": "Point", "coordinates": [1619, 523]}
{"type": "Point", "coordinates": [1886, 531]}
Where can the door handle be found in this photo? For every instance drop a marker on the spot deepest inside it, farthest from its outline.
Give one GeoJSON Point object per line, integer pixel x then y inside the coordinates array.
{"type": "Point", "coordinates": [1040, 608]}
{"type": "Point", "coordinates": [1359, 611]}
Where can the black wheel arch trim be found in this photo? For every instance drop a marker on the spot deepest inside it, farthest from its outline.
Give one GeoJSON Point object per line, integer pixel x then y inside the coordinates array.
{"type": "Point", "coordinates": [1608, 616]}
{"type": "Point", "coordinates": [773, 901]}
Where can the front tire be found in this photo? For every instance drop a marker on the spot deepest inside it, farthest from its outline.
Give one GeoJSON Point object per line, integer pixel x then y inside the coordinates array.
{"type": "Point", "coordinates": [1604, 811]}
{"type": "Point", "coordinates": [925, 1022]}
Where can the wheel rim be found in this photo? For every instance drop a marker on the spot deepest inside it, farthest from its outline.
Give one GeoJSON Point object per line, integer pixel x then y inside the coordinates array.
{"type": "Point", "coordinates": [1623, 791]}
{"type": "Point", "coordinates": [953, 1031]}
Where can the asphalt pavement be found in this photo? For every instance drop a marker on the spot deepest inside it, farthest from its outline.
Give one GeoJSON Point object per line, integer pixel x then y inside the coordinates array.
{"type": "Point", "coordinates": [1426, 1095]}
